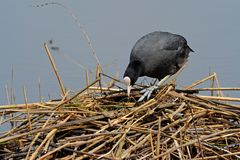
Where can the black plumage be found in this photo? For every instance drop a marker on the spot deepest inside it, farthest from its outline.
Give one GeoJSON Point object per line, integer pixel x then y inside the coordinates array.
{"type": "Point", "coordinates": [157, 55]}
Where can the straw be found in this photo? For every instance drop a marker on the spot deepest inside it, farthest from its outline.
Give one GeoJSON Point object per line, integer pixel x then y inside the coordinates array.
{"type": "Point", "coordinates": [173, 124]}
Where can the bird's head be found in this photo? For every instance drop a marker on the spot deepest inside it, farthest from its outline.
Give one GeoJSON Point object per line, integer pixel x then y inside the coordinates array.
{"type": "Point", "coordinates": [133, 71]}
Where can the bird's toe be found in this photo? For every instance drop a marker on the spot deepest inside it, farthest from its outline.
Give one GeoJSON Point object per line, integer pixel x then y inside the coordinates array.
{"type": "Point", "coordinates": [147, 92]}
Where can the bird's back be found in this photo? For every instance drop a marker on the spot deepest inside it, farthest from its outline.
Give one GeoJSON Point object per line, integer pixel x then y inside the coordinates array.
{"type": "Point", "coordinates": [158, 52]}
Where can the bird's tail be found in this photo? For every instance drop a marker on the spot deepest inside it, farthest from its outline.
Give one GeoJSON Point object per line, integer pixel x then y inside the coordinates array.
{"type": "Point", "coordinates": [184, 51]}
{"type": "Point", "coordinates": [190, 49]}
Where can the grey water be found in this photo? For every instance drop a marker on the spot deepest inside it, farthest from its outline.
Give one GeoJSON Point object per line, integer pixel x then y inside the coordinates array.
{"type": "Point", "coordinates": [212, 29]}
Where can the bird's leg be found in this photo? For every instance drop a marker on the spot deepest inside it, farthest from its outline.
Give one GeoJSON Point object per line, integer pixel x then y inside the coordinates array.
{"type": "Point", "coordinates": [148, 91]}
{"type": "Point", "coordinates": [163, 80]}
{"type": "Point", "coordinates": [154, 82]}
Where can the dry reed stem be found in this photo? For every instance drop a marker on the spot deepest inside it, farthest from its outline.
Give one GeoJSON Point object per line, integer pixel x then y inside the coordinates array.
{"type": "Point", "coordinates": [7, 94]}
{"type": "Point", "coordinates": [212, 85]}
{"type": "Point", "coordinates": [177, 111]}
{"type": "Point", "coordinates": [26, 103]}
{"type": "Point", "coordinates": [77, 94]}
{"type": "Point", "coordinates": [219, 98]}
{"type": "Point", "coordinates": [220, 93]}
{"type": "Point", "coordinates": [12, 89]}
{"type": "Point", "coordinates": [151, 142]}
{"type": "Point", "coordinates": [215, 157]}
{"type": "Point", "coordinates": [208, 106]}
{"type": "Point", "coordinates": [120, 149]}
{"type": "Point", "coordinates": [77, 122]}
{"type": "Point", "coordinates": [53, 151]}
{"type": "Point", "coordinates": [49, 136]}
{"type": "Point", "coordinates": [158, 137]}
{"type": "Point", "coordinates": [200, 81]}
{"type": "Point", "coordinates": [81, 27]}
{"type": "Point", "coordinates": [38, 134]}
{"type": "Point", "coordinates": [218, 148]}
{"type": "Point", "coordinates": [115, 145]}
{"type": "Point", "coordinates": [55, 69]}
{"type": "Point", "coordinates": [202, 138]}
{"type": "Point", "coordinates": [30, 105]}
{"type": "Point", "coordinates": [105, 89]}
{"type": "Point", "coordinates": [216, 89]}
{"type": "Point", "coordinates": [214, 152]}
{"type": "Point", "coordinates": [9, 119]}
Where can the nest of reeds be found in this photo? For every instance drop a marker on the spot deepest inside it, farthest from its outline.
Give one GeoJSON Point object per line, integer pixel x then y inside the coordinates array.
{"type": "Point", "coordinates": [103, 123]}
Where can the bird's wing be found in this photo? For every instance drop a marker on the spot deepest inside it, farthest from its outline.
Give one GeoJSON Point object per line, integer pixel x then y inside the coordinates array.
{"type": "Point", "coordinates": [171, 42]}
{"type": "Point", "coordinates": [159, 43]}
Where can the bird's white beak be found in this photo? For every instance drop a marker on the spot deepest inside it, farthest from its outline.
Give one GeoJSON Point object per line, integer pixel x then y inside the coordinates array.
{"type": "Point", "coordinates": [129, 90]}
{"type": "Point", "coordinates": [127, 82]}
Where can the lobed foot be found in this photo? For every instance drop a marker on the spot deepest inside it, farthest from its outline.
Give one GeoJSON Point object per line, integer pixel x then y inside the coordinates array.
{"type": "Point", "coordinates": [148, 91]}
